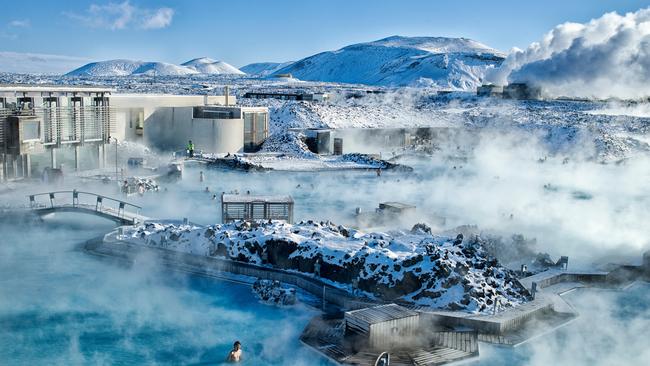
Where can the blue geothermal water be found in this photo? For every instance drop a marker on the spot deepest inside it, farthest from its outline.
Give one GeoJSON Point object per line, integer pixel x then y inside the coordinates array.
{"type": "Point", "coordinates": [61, 306]}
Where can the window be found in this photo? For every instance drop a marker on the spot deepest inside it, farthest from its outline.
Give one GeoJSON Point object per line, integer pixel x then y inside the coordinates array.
{"type": "Point", "coordinates": [31, 130]}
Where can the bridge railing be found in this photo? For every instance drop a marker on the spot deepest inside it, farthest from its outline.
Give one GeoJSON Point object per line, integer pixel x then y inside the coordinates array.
{"type": "Point", "coordinates": [98, 201]}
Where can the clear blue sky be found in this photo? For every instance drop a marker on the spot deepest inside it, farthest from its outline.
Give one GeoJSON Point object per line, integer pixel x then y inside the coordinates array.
{"type": "Point", "coordinates": [241, 32]}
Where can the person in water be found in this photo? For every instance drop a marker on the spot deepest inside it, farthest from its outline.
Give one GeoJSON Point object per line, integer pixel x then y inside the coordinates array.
{"type": "Point", "coordinates": [235, 353]}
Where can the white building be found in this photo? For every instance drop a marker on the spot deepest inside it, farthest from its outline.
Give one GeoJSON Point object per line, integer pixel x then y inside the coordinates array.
{"type": "Point", "coordinates": [52, 127]}
{"type": "Point", "coordinates": [133, 111]}
{"type": "Point", "coordinates": [212, 129]}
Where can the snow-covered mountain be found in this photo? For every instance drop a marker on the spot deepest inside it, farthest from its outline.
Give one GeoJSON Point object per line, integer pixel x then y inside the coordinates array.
{"type": "Point", "coordinates": [264, 68]}
{"type": "Point", "coordinates": [456, 63]}
{"type": "Point", "coordinates": [202, 65]}
{"type": "Point", "coordinates": [163, 69]}
{"type": "Point", "coordinates": [107, 68]}
{"type": "Point", "coordinates": [205, 65]}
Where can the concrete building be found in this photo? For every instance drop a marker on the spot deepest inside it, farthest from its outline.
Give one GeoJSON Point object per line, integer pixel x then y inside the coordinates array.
{"type": "Point", "coordinates": [522, 91]}
{"type": "Point", "coordinates": [489, 90]}
{"type": "Point", "coordinates": [47, 126]}
{"type": "Point", "coordinates": [69, 126]}
{"type": "Point", "coordinates": [134, 111]}
{"type": "Point", "coordinates": [212, 129]}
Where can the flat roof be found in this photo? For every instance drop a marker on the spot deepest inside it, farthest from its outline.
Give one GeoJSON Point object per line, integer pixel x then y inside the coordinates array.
{"type": "Point", "coordinates": [399, 205]}
{"type": "Point", "coordinates": [247, 198]}
{"type": "Point", "coordinates": [381, 313]}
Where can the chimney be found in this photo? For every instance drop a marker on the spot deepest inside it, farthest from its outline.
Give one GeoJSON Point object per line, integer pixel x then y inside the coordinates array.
{"type": "Point", "coordinates": [226, 91]}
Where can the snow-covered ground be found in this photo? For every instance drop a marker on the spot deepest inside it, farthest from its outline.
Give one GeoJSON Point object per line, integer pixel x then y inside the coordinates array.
{"type": "Point", "coordinates": [416, 266]}
{"type": "Point", "coordinates": [598, 130]}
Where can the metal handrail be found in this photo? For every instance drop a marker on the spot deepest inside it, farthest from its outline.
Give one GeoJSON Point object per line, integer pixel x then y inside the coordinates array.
{"type": "Point", "coordinates": [75, 200]}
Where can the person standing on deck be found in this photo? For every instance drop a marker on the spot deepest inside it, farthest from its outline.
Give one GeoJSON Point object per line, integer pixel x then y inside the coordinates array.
{"type": "Point", "coordinates": [201, 177]}
{"type": "Point", "coordinates": [235, 353]}
{"type": "Point", "coordinates": [190, 149]}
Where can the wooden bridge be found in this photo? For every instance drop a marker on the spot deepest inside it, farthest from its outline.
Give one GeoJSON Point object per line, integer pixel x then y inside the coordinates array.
{"type": "Point", "coordinates": [93, 204]}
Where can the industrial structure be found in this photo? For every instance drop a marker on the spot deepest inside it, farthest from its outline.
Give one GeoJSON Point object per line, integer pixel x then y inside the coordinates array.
{"type": "Point", "coordinates": [248, 207]}
{"type": "Point", "coordinates": [522, 91]}
{"type": "Point", "coordinates": [489, 90]}
{"type": "Point", "coordinates": [313, 97]}
{"type": "Point", "coordinates": [44, 126]}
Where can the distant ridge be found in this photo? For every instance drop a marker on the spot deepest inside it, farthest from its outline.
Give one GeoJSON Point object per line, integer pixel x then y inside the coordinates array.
{"type": "Point", "coordinates": [122, 67]}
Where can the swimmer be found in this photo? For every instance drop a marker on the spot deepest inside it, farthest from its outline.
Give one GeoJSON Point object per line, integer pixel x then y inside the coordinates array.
{"type": "Point", "coordinates": [235, 353]}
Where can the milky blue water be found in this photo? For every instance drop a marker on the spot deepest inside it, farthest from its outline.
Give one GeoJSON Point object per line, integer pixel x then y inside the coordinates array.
{"type": "Point", "coordinates": [59, 305]}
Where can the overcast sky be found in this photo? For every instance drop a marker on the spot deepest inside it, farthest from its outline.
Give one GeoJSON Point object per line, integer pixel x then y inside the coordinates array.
{"type": "Point", "coordinates": [241, 32]}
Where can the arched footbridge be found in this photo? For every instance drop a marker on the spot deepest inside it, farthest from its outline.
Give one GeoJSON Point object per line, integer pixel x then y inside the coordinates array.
{"type": "Point", "coordinates": [118, 211]}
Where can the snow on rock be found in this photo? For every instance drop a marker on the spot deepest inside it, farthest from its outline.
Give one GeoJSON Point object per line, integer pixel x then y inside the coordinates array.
{"type": "Point", "coordinates": [205, 65]}
{"type": "Point", "coordinates": [264, 68]}
{"type": "Point", "coordinates": [145, 184]}
{"type": "Point", "coordinates": [415, 266]}
{"type": "Point", "coordinates": [162, 69]}
{"type": "Point", "coordinates": [288, 143]}
{"type": "Point", "coordinates": [456, 63]}
{"type": "Point", "coordinates": [272, 292]}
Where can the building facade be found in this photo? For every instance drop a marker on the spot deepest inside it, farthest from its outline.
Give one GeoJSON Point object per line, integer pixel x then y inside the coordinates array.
{"type": "Point", "coordinates": [43, 126]}
{"type": "Point", "coordinates": [133, 111]}
{"type": "Point", "coordinates": [212, 129]}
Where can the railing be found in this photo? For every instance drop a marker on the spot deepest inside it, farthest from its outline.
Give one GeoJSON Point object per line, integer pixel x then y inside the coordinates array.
{"type": "Point", "coordinates": [98, 203]}
{"type": "Point", "coordinates": [72, 124]}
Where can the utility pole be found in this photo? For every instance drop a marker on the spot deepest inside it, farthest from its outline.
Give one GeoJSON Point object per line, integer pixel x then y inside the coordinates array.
{"type": "Point", "coordinates": [117, 179]}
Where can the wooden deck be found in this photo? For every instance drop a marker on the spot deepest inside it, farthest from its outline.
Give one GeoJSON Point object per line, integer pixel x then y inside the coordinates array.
{"type": "Point", "coordinates": [329, 338]}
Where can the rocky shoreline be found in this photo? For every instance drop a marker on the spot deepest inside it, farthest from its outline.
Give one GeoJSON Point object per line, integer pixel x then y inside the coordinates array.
{"type": "Point", "coordinates": [410, 266]}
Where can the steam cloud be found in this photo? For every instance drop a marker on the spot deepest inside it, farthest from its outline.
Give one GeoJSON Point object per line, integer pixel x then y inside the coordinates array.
{"type": "Point", "coordinates": [606, 57]}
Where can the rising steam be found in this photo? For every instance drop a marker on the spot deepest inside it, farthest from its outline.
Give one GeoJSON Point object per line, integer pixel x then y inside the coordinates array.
{"type": "Point", "coordinates": [606, 57]}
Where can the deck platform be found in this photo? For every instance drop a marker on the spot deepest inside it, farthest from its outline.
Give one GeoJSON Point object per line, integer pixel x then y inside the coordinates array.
{"type": "Point", "coordinates": [328, 337]}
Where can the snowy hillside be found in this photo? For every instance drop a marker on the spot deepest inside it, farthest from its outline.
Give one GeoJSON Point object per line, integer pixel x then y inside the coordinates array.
{"type": "Point", "coordinates": [107, 68]}
{"type": "Point", "coordinates": [129, 67]}
{"type": "Point", "coordinates": [264, 68]}
{"type": "Point", "coordinates": [163, 68]}
{"type": "Point", "coordinates": [456, 63]}
{"type": "Point", "coordinates": [205, 65]}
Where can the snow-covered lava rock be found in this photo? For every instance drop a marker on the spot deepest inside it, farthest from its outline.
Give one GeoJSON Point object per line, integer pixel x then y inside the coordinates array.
{"type": "Point", "coordinates": [415, 266]}
{"type": "Point", "coordinates": [272, 293]}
